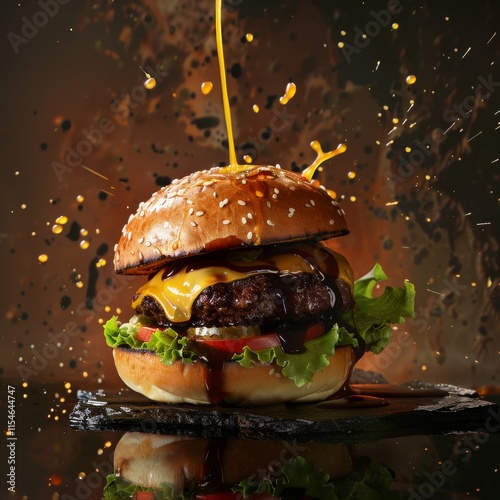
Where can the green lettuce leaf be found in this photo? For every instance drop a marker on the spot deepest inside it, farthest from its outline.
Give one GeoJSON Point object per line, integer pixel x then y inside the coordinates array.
{"type": "Point", "coordinates": [166, 343]}
{"type": "Point", "coordinates": [300, 367]}
{"type": "Point", "coordinates": [299, 474]}
{"type": "Point", "coordinates": [373, 316]}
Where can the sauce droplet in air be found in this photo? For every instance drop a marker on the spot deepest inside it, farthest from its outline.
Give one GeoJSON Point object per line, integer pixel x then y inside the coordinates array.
{"type": "Point", "coordinates": [57, 229]}
{"type": "Point", "coordinates": [321, 157]}
{"type": "Point", "coordinates": [84, 244]}
{"type": "Point", "coordinates": [249, 37]}
{"type": "Point", "coordinates": [62, 220]}
{"type": "Point", "coordinates": [206, 87]}
{"type": "Point", "coordinates": [247, 158]}
{"type": "Point", "coordinates": [290, 90]}
{"type": "Point", "coordinates": [150, 82]}
{"type": "Point", "coordinates": [411, 79]}
{"type": "Point", "coordinates": [255, 108]}
{"type": "Point", "coordinates": [42, 258]}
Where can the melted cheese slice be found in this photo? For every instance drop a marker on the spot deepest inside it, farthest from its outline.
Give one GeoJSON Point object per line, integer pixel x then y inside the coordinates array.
{"type": "Point", "coordinates": [177, 292]}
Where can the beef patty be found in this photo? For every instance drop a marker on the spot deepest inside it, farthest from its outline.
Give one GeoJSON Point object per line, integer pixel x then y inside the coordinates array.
{"type": "Point", "coordinates": [259, 300]}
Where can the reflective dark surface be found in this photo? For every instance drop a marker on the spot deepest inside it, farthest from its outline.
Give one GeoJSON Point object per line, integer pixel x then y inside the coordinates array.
{"type": "Point", "coordinates": [52, 460]}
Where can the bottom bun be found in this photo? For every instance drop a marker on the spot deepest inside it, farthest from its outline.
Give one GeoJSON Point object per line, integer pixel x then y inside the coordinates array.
{"type": "Point", "coordinates": [262, 384]}
{"type": "Point", "coordinates": [151, 460]}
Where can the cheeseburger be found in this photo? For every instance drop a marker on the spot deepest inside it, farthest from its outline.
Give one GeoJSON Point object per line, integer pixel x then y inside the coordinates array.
{"type": "Point", "coordinates": [245, 302]}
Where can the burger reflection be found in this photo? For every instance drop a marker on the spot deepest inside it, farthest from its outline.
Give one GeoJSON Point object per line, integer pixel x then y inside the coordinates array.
{"type": "Point", "coordinates": [152, 466]}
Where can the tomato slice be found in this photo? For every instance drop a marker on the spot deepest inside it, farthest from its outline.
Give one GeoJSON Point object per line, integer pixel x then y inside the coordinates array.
{"type": "Point", "coordinates": [314, 331]}
{"type": "Point", "coordinates": [257, 343]}
{"type": "Point", "coordinates": [144, 333]}
{"type": "Point", "coordinates": [144, 495]}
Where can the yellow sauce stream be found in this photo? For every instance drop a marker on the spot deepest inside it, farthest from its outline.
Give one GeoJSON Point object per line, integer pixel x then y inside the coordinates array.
{"type": "Point", "coordinates": [233, 163]}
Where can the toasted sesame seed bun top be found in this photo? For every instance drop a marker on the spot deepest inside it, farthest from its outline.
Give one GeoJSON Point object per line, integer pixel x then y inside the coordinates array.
{"type": "Point", "coordinates": [218, 209]}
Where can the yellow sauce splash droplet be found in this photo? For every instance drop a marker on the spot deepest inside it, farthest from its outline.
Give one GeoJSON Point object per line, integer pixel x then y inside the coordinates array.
{"type": "Point", "coordinates": [206, 87]}
{"type": "Point", "coordinates": [57, 229]}
{"type": "Point", "coordinates": [247, 158]}
{"type": "Point", "coordinates": [321, 157]}
{"type": "Point", "coordinates": [84, 244]}
{"type": "Point", "coordinates": [255, 108]}
{"type": "Point", "coordinates": [291, 88]}
{"type": "Point", "coordinates": [42, 258]}
{"type": "Point", "coordinates": [150, 83]}
{"type": "Point", "coordinates": [62, 220]}
{"type": "Point", "coordinates": [249, 37]}
{"type": "Point", "coordinates": [411, 79]}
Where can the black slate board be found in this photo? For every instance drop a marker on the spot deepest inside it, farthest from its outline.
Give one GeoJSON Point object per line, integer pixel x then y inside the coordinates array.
{"type": "Point", "coordinates": [459, 411]}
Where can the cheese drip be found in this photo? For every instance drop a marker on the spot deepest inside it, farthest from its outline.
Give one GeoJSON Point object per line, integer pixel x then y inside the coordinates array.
{"type": "Point", "coordinates": [176, 292]}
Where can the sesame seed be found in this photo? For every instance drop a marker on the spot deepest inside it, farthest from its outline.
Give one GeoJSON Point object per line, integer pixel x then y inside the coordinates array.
{"type": "Point", "coordinates": [157, 252]}
{"type": "Point", "coordinates": [142, 213]}
{"type": "Point", "coordinates": [241, 202]}
{"type": "Point", "coordinates": [189, 202]}
{"type": "Point", "coordinates": [132, 251]}
{"type": "Point", "coordinates": [312, 203]}
{"type": "Point", "coordinates": [275, 196]}
{"type": "Point", "coordinates": [276, 190]}
{"type": "Point", "coordinates": [191, 211]}
{"type": "Point", "coordinates": [200, 213]}
{"type": "Point", "coordinates": [259, 194]}
{"type": "Point", "coordinates": [226, 222]}
{"type": "Point", "coordinates": [193, 223]}
{"type": "Point", "coordinates": [269, 223]}
{"type": "Point", "coordinates": [332, 222]}
{"type": "Point", "coordinates": [115, 247]}
{"type": "Point", "coordinates": [148, 243]}
{"type": "Point", "coordinates": [215, 194]}
{"type": "Point", "coordinates": [249, 235]}
{"type": "Point", "coordinates": [249, 215]}
{"type": "Point", "coordinates": [223, 202]}
{"type": "Point", "coordinates": [307, 205]}
{"type": "Point", "coordinates": [141, 256]}
{"type": "Point", "coordinates": [244, 220]}
{"type": "Point", "coordinates": [141, 240]}
{"type": "Point", "coordinates": [342, 210]}
{"type": "Point", "coordinates": [129, 235]}
{"type": "Point", "coordinates": [208, 183]}
{"type": "Point", "coordinates": [244, 181]}
{"type": "Point", "coordinates": [268, 204]}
